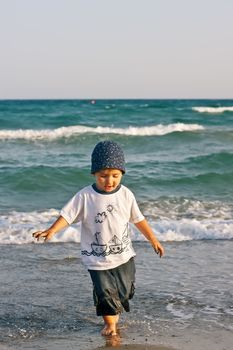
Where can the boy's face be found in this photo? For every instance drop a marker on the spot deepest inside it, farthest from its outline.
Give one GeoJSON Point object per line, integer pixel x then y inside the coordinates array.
{"type": "Point", "coordinates": [107, 180]}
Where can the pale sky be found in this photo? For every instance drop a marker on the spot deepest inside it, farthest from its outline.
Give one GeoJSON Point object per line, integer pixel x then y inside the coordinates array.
{"type": "Point", "coordinates": [116, 49]}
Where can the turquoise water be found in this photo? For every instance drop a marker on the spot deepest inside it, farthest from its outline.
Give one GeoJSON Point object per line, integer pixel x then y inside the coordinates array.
{"type": "Point", "coordinates": [179, 165]}
{"type": "Point", "coordinates": [179, 159]}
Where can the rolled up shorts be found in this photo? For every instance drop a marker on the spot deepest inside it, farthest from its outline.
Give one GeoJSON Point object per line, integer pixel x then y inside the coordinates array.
{"type": "Point", "coordinates": [113, 288]}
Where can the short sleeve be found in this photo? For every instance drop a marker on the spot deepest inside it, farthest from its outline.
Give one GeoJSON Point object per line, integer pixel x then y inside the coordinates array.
{"type": "Point", "coordinates": [73, 210]}
{"type": "Point", "coordinates": [136, 214]}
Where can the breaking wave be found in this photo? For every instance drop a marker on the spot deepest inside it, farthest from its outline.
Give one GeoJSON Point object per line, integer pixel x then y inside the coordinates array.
{"type": "Point", "coordinates": [212, 109]}
{"type": "Point", "coordinates": [66, 132]}
{"type": "Point", "coordinates": [171, 219]}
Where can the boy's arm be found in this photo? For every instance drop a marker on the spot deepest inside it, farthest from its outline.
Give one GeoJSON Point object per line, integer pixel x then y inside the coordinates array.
{"type": "Point", "coordinates": [146, 230]}
{"type": "Point", "coordinates": [58, 225]}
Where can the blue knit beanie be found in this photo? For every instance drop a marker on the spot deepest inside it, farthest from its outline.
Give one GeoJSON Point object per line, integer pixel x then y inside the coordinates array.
{"type": "Point", "coordinates": [106, 155]}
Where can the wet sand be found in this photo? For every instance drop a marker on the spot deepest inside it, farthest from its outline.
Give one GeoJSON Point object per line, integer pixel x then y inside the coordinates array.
{"type": "Point", "coordinates": [135, 347]}
{"type": "Point", "coordinates": [184, 341]}
{"type": "Point", "coordinates": [115, 342]}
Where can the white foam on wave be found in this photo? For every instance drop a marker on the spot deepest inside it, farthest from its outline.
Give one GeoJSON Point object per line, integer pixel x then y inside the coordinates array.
{"type": "Point", "coordinates": [17, 228]}
{"type": "Point", "coordinates": [191, 229]}
{"type": "Point", "coordinates": [69, 131]}
{"type": "Point", "coordinates": [182, 219]}
{"type": "Point", "coordinates": [212, 109]}
{"type": "Point", "coordinates": [172, 208]}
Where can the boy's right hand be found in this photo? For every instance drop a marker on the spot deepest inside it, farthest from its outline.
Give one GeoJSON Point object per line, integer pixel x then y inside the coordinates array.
{"type": "Point", "coordinates": [58, 225]}
{"type": "Point", "coordinates": [47, 235]}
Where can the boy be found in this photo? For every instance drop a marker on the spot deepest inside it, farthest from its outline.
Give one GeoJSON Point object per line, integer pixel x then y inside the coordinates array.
{"type": "Point", "coordinates": [105, 210]}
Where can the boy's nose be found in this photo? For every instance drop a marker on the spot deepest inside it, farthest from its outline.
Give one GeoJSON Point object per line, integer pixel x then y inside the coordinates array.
{"type": "Point", "coordinates": [109, 181]}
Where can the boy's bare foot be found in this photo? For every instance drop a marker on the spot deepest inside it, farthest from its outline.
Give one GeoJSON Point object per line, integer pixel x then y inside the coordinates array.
{"type": "Point", "coordinates": [109, 330]}
{"type": "Point", "coordinates": [110, 325]}
{"type": "Point", "coordinates": [113, 341]}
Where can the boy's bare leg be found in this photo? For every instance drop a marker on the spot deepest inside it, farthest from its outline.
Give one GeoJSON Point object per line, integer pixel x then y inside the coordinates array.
{"type": "Point", "coordinates": [110, 324]}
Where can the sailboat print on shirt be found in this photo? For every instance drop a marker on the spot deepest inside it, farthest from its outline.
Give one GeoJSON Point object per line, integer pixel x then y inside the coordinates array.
{"type": "Point", "coordinates": [115, 245]}
{"type": "Point", "coordinates": [97, 247]}
{"type": "Point", "coordinates": [125, 236]}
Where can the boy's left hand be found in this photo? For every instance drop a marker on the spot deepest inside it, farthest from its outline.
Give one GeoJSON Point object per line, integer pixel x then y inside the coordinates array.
{"type": "Point", "coordinates": [146, 230]}
{"type": "Point", "coordinates": [159, 249]}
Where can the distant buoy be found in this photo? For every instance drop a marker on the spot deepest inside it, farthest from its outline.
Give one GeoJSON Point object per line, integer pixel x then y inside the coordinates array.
{"type": "Point", "coordinates": [93, 102]}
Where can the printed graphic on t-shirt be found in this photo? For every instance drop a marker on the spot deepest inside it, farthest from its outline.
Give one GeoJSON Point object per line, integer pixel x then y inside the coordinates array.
{"type": "Point", "coordinates": [115, 245]}
{"type": "Point", "coordinates": [98, 247]}
{"type": "Point", "coordinates": [100, 217]}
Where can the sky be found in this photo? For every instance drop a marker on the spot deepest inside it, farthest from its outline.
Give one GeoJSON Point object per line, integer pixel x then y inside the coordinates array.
{"type": "Point", "coordinates": [116, 49]}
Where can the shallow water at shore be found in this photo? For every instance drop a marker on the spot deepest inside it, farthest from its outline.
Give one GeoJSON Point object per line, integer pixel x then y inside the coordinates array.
{"type": "Point", "coordinates": [46, 297]}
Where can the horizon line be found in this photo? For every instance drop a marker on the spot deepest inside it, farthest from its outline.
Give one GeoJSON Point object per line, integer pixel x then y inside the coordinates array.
{"type": "Point", "coordinates": [110, 98]}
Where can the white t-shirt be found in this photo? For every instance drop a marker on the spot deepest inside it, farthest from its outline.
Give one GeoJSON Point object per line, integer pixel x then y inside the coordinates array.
{"type": "Point", "coordinates": [105, 229]}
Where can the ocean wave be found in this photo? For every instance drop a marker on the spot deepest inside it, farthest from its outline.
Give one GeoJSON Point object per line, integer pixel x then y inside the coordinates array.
{"type": "Point", "coordinates": [17, 227]}
{"type": "Point", "coordinates": [69, 131]}
{"type": "Point", "coordinates": [177, 208]}
{"type": "Point", "coordinates": [213, 109]}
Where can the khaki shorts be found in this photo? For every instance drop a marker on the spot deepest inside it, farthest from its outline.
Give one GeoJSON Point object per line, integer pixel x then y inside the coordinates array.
{"type": "Point", "coordinates": [113, 288]}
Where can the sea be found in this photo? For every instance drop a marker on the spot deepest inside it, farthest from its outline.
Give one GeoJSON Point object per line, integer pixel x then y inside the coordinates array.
{"type": "Point", "coordinates": [179, 164]}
